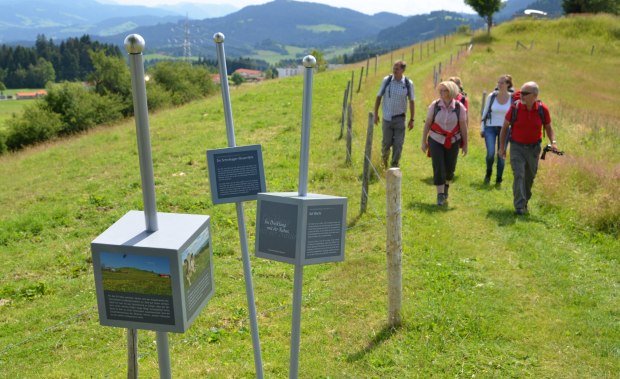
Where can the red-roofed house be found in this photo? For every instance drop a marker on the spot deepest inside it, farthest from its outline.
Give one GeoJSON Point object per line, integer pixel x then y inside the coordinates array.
{"type": "Point", "coordinates": [30, 95]}
{"type": "Point", "coordinates": [250, 75]}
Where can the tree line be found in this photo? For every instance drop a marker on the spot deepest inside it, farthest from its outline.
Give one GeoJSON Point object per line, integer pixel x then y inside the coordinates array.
{"type": "Point", "coordinates": [72, 107]}
{"type": "Point", "coordinates": [46, 61]}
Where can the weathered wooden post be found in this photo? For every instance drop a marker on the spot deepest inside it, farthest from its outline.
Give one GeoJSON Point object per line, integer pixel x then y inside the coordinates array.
{"type": "Point", "coordinates": [367, 66]}
{"type": "Point", "coordinates": [132, 353]}
{"type": "Point", "coordinates": [359, 86]}
{"type": "Point", "coordinates": [592, 51]}
{"type": "Point", "coordinates": [344, 108]}
{"type": "Point", "coordinates": [412, 54]}
{"type": "Point", "coordinates": [394, 247]}
{"type": "Point", "coordinates": [352, 84]}
{"type": "Point", "coordinates": [439, 71]}
{"type": "Point", "coordinates": [367, 162]}
{"type": "Point", "coordinates": [349, 132]}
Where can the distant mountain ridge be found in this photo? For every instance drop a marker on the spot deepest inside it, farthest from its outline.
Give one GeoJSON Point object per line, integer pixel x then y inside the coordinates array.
{"type": "Point", "coordinates": [59, 19]}
{"type": "Point", "coordinates": [280, 22]}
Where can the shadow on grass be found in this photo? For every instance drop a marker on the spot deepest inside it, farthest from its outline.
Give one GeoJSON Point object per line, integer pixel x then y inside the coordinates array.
{"type": "Point", "coordinates": [429, 180]}
{"type": "Point", "coordinates": [481, 186]}
{"type": "Point", "coordinates": [506, 217]}
{"type": "Point", "coordinates": [428, 207]}
{"type": "Point", "coordinates": [353, 222]}
{"type": "Point", "coordinates": [385, 334]}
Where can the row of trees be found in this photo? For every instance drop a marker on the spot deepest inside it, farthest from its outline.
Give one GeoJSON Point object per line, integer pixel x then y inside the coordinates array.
{"type": "Point", "coordinates": [33, 67]}
{"type": "Point", "coordinates": [71, 107]}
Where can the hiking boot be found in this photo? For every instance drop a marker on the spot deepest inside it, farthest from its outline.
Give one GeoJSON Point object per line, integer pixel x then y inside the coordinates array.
{"type": "Point", "coordinates": [487, 179]}
{"type": "Point", "coordinates": [441, 199]}
{"type": "Point", "coordinates": [445, 190]}
{"type": "Point", "coordinates": [499, 181]}
{"type": "Point", "coordinates": [521, 211]}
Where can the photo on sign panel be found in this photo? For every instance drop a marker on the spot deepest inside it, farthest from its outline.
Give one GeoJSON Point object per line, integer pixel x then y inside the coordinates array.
{"type": "Point", "coordinates": [132, 273]}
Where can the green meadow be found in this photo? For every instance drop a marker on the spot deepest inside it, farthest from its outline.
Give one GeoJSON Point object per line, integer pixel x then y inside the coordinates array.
{"type": "Point", "coordinates": [485, 293]}
{"type": "Point", "coordinates": [132, 280]}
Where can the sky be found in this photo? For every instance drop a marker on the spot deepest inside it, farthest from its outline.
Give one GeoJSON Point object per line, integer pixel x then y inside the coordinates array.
{"type": "Point", "coordinates": [402, 7]}
{"type": "Point", "coordinates": [160, 265]}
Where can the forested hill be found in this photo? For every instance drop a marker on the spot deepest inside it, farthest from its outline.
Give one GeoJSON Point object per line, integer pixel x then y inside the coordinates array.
{"type": "Point", "coordinates": [33, 67]}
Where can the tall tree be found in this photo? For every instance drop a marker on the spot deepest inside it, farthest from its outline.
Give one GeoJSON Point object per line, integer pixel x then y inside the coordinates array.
{"type": "Point", "coordinates": [486, 9]}
{"type": "Point", "coordinates": [591, 6]}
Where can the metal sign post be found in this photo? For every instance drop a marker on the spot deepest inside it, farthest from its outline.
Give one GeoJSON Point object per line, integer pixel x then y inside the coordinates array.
{"type": "Point", "coordinates": [247, 270]}
{"type": "Point", "coordinates": [309, 62]}
{"type": "Point", "coordinates": [301, 228]}
{"type": "Point", "coordinates": [134, 44]}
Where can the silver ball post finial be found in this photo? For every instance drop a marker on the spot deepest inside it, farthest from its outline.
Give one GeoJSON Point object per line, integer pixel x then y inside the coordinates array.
{"type": "Point", "coordinates": [309, 61]}
{"type": "Point", "coordinates": [134, 44]}
{"type": "Point", "coordinates": [219, 37]}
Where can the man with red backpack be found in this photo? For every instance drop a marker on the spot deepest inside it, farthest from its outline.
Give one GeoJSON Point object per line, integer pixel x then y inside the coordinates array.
{"type": "Point", "coordinates": [527, 116]}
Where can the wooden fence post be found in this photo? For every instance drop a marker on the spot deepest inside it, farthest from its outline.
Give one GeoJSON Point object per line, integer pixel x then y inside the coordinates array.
{"type": "Point", "coordinates": [394, 248]}
{"type": "Point", "coordinates": [352, 84]}
{"type": "Point", "coordinates": [132, 353]}
{"type": "Point", "coordinates": [367, 65]}
{"type": "Point", "coordinates": [344, 108]}
{"type": "Point", "coordinates": [412, 55]}
{"type": "Point", "coordinates": [367, 162]}
{"type": "Point", "coordinates": [359, 86]}
{"type": "Point", "coordinates": [349, 132]}
{"type": "Point", "coordinates": [592, 51]}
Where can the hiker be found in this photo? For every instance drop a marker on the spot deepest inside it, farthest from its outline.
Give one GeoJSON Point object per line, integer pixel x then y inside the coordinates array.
{"type": "Point", "coordinates": [462, 97]}
{"type": "Point", "coordinates": [528, 116]}
{"type": "Point", "coordinates": [396, 88]}
{"type": "Point", "coordinates": [493, 114]}
{"type": "Point", "coordinates": [445, 130]}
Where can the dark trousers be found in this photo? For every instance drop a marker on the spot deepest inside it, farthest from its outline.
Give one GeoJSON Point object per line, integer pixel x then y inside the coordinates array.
{"type": "Point", "coordinates": [444, 161]}
{"type": "Point", "coordinates": [524, 163]}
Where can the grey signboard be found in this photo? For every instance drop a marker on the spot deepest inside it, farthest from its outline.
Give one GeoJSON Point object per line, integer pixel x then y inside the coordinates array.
{"type": "Point", "coordinates": [300, 229]}
{"type": "Point", "coordinates": [157, 281]}
{"type": "Point", "coordinates": [236, 174]}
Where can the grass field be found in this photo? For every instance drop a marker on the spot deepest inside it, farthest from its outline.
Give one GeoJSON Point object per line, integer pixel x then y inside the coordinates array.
{"type": "Point", "coordinates": [485, 293]}
{"type": "Point", "coordinates": [136, 281]}
{"type": "Point", "coordinates": [10, 107]}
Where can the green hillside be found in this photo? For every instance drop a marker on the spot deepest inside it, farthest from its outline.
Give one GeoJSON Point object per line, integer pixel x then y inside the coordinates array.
{"type": "Point", "coordinates": [485, 293]}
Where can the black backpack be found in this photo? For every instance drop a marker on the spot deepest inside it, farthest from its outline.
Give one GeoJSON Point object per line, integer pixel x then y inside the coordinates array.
{"type": "Point", "coordinates": [389, 79]}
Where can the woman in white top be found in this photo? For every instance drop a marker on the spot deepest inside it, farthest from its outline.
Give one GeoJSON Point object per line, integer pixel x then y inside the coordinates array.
{"type": "Point", "coordinates": [495, 109]}
{"type": "Point", "coordinates": [445, 130]}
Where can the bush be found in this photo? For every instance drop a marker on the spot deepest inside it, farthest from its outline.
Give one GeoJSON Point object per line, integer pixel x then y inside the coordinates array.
{"type": "Point", "coordinates": [157, 96]}
{"type": "Point", "coordinates": [35, 124]}
{"type": "Point", "coordinates": [81, 109]}
{"type": "Point", "coordinates": [183, 81]}
{"type": "Point", "coordinates": [3, 147]}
